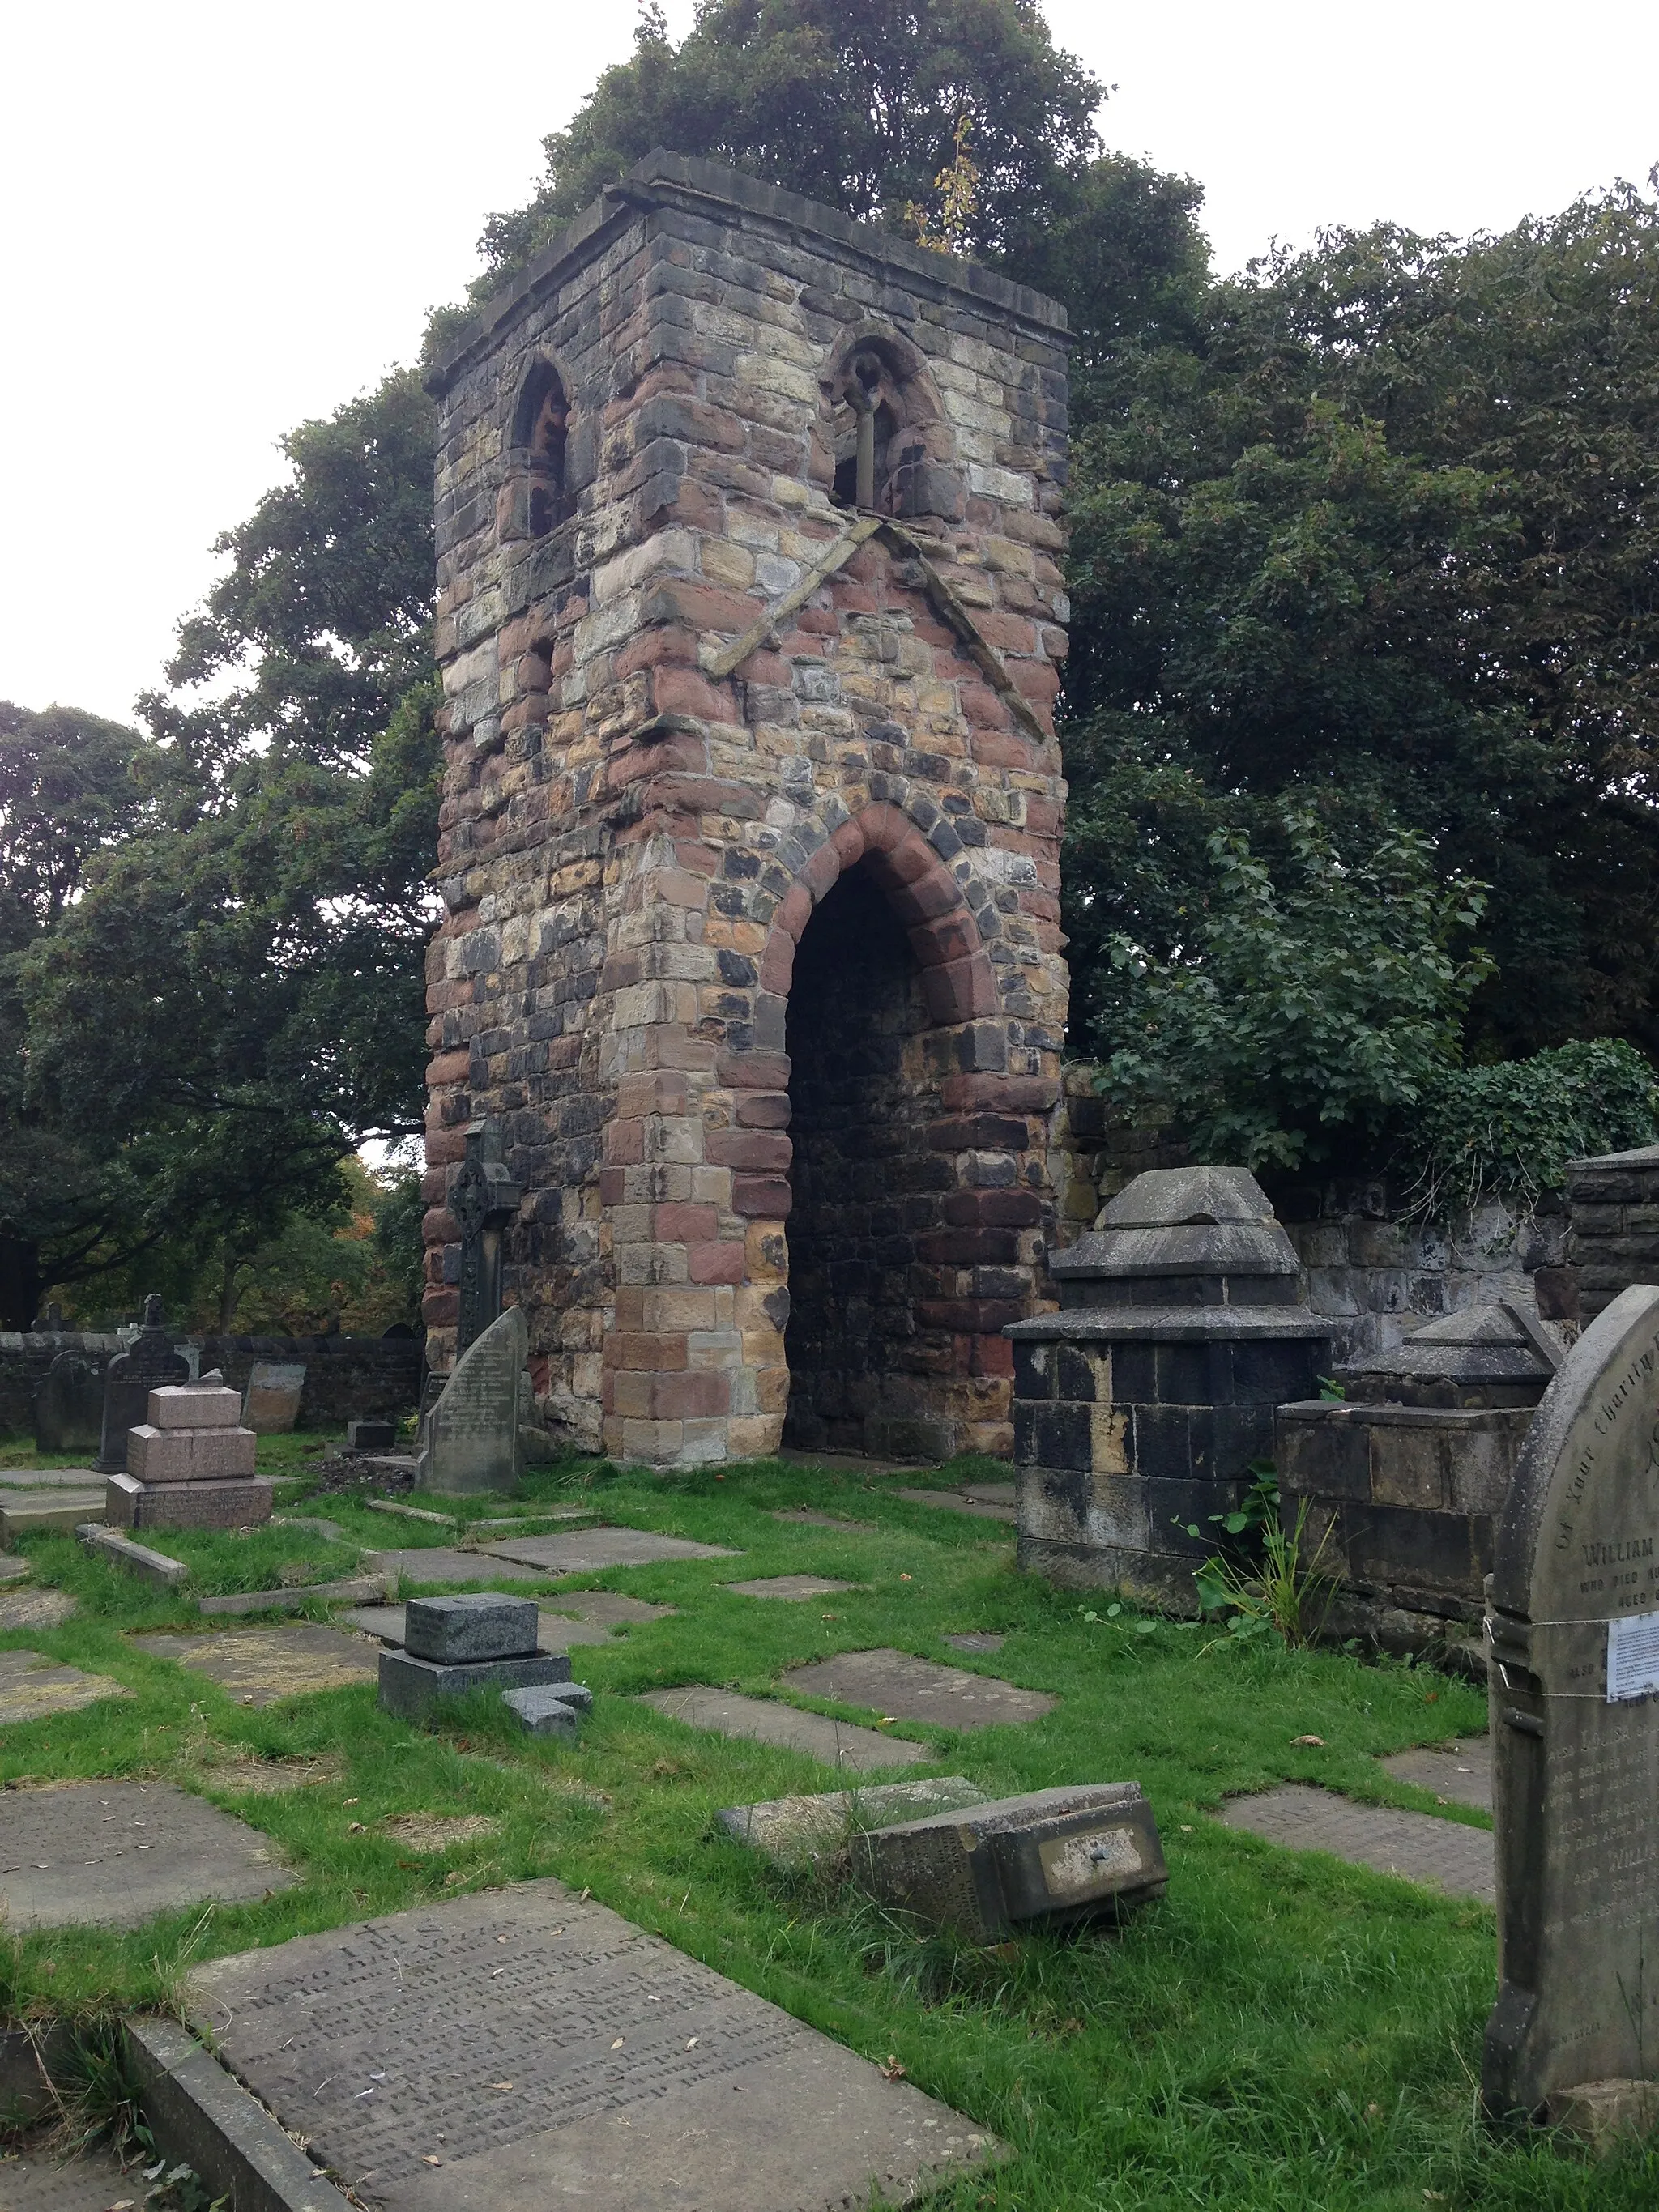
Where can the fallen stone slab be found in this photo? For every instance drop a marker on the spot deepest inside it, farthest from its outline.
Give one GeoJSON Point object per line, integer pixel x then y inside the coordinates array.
{"type": "Point", "coordinates": [442, 1563]}
{"type": "Point", "coordinates": [90, 2182]}
{"type": "Point", "coordinates": [1417, 1846]}
{"type": "Point", "coordinates": [789, 1586]}
{"type": "Point", "coordinates": [1053, 1857]}
{"type": "Point", "coordinates": [961, 1501]}
{"type": "Point", "coordinates": [201, 2116]}
{"type": "Point", "coordinates": [36, 1608]}
{"type": "Point", "coordinates": [607, 1608]}
{"type": "Point", "coordinates": [32, 1687]}
{"type": "Point", "coordinates": [112, 1853]}
{"type": "Point", "coordinates": [795, 1831]}
{"type": "Point", "coordinates": [259, 1665]}
{"type": "Point", "coordinates": [806, 1516]}
{"type": "Point", "coordinates": [551, 1709]}
{"type": "Point", "coordinates": [912, 1689]}
{"type": "Point", "coordinates": [1460, 1774]}
{"type": "Point", "coordinates": [31, 1513]}
{"type": "Point", "coordinates": [839, 1463]}
{"type": "Point", "coordinates": [355, 1589]}
{"type": "Point", "coordinates": [766, 1720]}
{"type": "Point", "coordinates": [138, 1559]}
{"type": "Point", "coordinates": [639, 2077]}
{"type": "Point", "coordinates": [50, 1478]}
{"type": "Point", "coordinates": [586, 1550]}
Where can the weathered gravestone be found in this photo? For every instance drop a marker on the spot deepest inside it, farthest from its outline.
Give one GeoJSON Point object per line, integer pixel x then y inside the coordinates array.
{"type": "Point", "coordinates": [471, 1437]}
{"type": "Point", "coordinates": [270, 1406]}
{"type": "Point", "coordinates": [69, 1404]}
{"type": "Point", "coordinates": [148, 1364]}
{"type": "Point", "coordinates": [1574, 1626]}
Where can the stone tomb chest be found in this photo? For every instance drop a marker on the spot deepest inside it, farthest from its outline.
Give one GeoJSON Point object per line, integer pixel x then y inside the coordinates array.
{"type": "Point", "coordinates": [1409, 1474]}
{"type": "Point", "coordinates": [1139, 1406]}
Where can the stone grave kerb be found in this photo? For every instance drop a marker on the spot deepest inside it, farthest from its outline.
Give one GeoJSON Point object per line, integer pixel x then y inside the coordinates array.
{"type": "Point", "coordinates": [1573, 1626]}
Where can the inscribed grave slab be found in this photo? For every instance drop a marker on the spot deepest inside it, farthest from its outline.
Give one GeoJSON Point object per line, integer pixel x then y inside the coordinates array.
{"type": "Point", "coordinates": [114, 1852]}
{"type": "Point", "coordinates": [919, 1690]}
{"type": "Point", "coordinates": [763, 1720]}
{"type": "Point", "coordinates": [1573, 1629]}
{"type": "Point", "coordinates": [90, 2183]}
{"type": "Point", "coordinates": [1463, 1775]}
{"type": "Point", "coordinates": [258, 1665]}
{"type": "Point", "coordinates": [45, 1608]}
{"type": "Point", "coordinates": [32, 1685]}
{"type": "Point", "coordinates": [586, 1550]}
{"type": "Point", "coordinates": [789, 1586]}
{"type": "Point", "coordinates": [638, 2077]}
{"type": "Point", "coordinates": [442, 1563]}
{"type": "Point", "coordinates": [472, 1434]}
{"type": "Point", "coordinates": [1416, 1846]}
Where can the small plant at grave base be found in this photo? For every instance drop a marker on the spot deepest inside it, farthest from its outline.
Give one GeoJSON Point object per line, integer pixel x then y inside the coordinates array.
{"type": "Point", "coordinates": [1331, 1392]}
{"type": "Point", "coordinates": [1286, 1593]}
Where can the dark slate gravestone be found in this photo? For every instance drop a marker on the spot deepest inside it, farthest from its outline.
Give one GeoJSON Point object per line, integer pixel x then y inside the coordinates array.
{"type": "Point", "coordinates": [130, 1376]}
{"type": "Point", "coordinates": [1574, 1627]}
{"type": "Point", "coordinates": [69, 1404]}
{"type": "Point", "coordinates": [483, 1198]}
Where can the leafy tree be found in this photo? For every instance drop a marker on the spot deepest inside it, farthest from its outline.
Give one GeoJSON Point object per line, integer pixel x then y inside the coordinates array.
{"type": "Point", "coordinates": [1310, 1004]}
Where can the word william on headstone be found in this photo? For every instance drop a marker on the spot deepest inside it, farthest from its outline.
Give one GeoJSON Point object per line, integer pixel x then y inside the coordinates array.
{"type": "Point", "coordinates": [149, 1362]}
{"type": "Point", "coordinates": [69, 1404]}
{"type": "Point", "coordinates": [189, 1465]}
{"type": "Point", "coordinates": [484, 1198]}
{"type": "Point", "coordinates": [1573, 1622]}
{"type": "Point", "coordinates": [471, 1440]}
{"type": "Point", "coordinates": [270, 1406]}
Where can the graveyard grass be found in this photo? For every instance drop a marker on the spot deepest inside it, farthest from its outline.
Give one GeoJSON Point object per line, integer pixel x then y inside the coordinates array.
{"type": "Point", "coordinates": [1280, 2032]}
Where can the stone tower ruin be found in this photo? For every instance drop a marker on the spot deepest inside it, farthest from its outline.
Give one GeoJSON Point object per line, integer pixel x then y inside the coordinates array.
{"type": "Point", "coordinates": [750, 625]}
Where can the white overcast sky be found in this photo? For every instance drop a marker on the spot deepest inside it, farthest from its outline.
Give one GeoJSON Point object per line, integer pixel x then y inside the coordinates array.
{"type": "Point", "coordinates": [222, 218]}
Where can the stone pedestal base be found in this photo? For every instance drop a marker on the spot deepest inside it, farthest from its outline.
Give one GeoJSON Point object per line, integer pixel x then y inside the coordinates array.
{"type": "Point", "coordinates": [410, 1686]}
{"type": "Point", "coordinates": [130, 1503]}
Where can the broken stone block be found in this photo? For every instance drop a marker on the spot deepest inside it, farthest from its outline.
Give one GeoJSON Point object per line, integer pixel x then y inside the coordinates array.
{"type": "Point", "coordinates": [1053, 1857]}
{"type": "Point", "coordinates": [555, 1708]}
{"type": "Point", "coordinates": [371, 1436]}
{"type": "Point", "coordinates": [794, 1831]}
{"type": "Point", "coordinates": [457, 1630]}
{"type": "Point", "coordinates": [410, 1686]}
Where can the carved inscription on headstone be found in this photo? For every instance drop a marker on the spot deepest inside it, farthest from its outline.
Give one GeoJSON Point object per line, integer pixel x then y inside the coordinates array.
{"type": "Point", "coordinates": [1574, 1623]}
{"type": "Point", "coordinates": [472, 1432]}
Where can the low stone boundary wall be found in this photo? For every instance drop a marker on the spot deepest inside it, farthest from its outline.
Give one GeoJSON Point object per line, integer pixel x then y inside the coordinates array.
{"type": "Point", "coordinates": [347, 1378]}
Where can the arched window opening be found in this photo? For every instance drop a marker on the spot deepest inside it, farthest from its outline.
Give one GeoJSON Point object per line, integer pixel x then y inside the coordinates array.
{"type": "Point", "coordinates": [891, 448]}
{"type": "Point", "coordinates": [541, 502]}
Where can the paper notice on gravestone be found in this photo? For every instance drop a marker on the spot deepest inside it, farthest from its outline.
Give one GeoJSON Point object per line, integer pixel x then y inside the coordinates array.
{"type": "Point", "coordinates": [472, 1432]}
{"type": "Point", "coordinates": [1574, 1623]}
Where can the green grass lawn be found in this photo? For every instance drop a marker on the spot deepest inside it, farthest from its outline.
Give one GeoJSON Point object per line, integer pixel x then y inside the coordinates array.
{"type": "Point", "coordinates": [1280, 2032]}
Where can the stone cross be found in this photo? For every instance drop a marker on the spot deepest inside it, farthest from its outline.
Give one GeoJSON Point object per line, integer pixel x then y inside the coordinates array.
{"type": "Point", "coordinates": [484, 1199]}
{"type": "Point", "coordinates": [1573, 1623]}
{"type": "Point", "coordinates": [148, 1363]}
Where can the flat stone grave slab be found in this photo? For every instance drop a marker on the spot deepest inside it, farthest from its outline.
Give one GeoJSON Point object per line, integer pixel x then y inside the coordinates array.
{"type": "Point", "coordinates": [1416, 1846]}
{"type": "Point", "coordinates": [586, 1550]}
{"type": "Point", "coordinates": [258, 1665]}
{"type": "Point", "coordinates": [36, 1608]}
{"type": "Point", "coordinates": [1463, 1774]}
{"type": "Point", "coordinates": [839, 1462]}
{"type": "Point", "coordinates": [32, 1685]}
{"type": "Point", "coordinates": [523, 2050]}
{"type": "Point", "coordinates": [112, 1853]}
{"type": "Point", "coordinates": [91, 2183]}
{"type": "Point", "coordinates": [795, 1831]}
{"type": "Point", "coordinates": [910, 1689]}
{"type": "Point", "coordinates": [14, 1570]}
{"type": "Point", "coordinates": [806, 1516]}
{"type": "Point", "coordinates": [50, 1478]}
{"type": "Point", "coordinates": [977, 1639]}
{"type": "Point", "coordinates": [764, 1720]}
{"type": "Point", "coordinates": [441, 1563]}
{"type": "Point", "coordinates": [789, 1586]}
{"type": "Point", "coordinates": [608, 1608]}
{"type": "Point", "coordinates": [993, 1507]}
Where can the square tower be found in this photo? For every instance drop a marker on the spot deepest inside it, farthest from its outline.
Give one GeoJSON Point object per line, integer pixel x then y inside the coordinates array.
{"type": "Point", "coordinates": [750, 622]}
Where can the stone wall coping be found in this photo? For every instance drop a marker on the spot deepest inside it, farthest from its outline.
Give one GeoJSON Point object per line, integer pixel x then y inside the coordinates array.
{"type": "Point", "coordinates": [663, 179]}
{"type": "Point", "coordinates": [1644, 1156]}
{"type": "Point", "coordinates": [1386, 1415]}
{"type": "Point", "coordinates": [1104, 1323]}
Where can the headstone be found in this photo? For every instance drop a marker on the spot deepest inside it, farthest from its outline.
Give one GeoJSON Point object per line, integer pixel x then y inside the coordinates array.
{"type": "Point", "coordinates": [48, 1323]}
{"type": "Point", "coordinates": [471, 1439]}
{"type": "Point", "coordinates": [271, 1406]}
{"type": "Point", "coordinates": [150, 1361]}
{"type": "Point", "coordinates": [112, 1853]}
{"type": "Point", "coordinates": [459, 1644]}
{"type": "Point", "coordinates": [190, 1465]}
{"type": "Point", "coordinates": [1051, 1858]}
{"type": "Point", "coordinates": [371, 1436]}
{"type": "Point", "coordinates": [483, 1198]}
{"type": "Point", "coordinates": [1573, 1622]}
{"type": "Point", "coordinates": [528, 2047]}
{"type": "Point", "coordinates": [69, 1404]}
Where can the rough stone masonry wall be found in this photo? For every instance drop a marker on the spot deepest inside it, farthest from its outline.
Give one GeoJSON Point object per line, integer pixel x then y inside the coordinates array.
{"type": "Point", "coordinates": [671, 730]}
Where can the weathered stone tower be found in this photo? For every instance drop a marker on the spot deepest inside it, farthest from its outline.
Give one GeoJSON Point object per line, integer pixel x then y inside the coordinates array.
{"type": "Point", "coordinates": [748, 618]}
